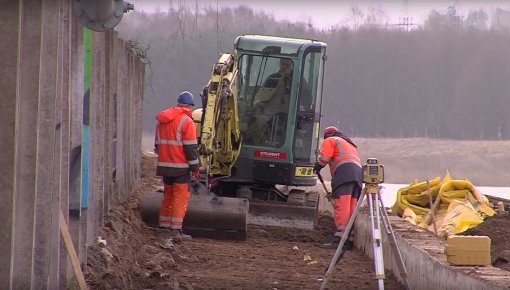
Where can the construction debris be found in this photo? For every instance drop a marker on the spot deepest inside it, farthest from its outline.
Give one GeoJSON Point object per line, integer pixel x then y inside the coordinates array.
{"type": "Point", "coordinates": [458, 205]}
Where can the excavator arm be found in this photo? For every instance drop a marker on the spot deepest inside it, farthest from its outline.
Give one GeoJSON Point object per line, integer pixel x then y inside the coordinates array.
{"type": "Point", "coordinates": [219, 134]}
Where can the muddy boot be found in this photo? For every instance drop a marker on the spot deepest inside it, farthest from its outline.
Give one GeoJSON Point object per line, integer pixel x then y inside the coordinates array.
{"type": "Point", "coordinates": [335, 241]}
{"type": "Point", "coordinates": [330, 245]}
{"type": "Point", "coordinates": [176, 236]}
{"type": "Point", "coordinates": [349, 245]}
{"type": "Point", "coordinates": [333, 244]}
{"type": "Point", "coordinates": [185, 237]}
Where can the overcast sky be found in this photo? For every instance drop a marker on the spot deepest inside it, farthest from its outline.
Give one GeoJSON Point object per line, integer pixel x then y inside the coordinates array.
{"type": "Point", "coordinates": [327, 13]}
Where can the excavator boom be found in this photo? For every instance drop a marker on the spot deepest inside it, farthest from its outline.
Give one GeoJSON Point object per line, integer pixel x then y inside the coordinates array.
{"type": "Point", "coordinates": [219, 135]}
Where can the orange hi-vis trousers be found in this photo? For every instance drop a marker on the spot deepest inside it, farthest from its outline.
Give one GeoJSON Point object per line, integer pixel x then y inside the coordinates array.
{"type": "Point", "coordinates": [343, 208]}
{"type": "Point", "coordinates": [174, 205]}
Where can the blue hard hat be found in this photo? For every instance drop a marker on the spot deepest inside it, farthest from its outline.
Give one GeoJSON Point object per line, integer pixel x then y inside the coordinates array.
{"type": "Point", "coordinates": [186, 98]}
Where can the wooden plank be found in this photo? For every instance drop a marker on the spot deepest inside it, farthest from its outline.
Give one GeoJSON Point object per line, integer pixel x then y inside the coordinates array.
{"type": "Point", "coordinates": [72, 252]}
{"type": "Point", "coordinates": [433, 207]}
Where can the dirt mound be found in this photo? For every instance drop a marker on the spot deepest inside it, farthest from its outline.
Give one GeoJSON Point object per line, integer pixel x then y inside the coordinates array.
{"type": "Point", "coordinates": [129, 255]}
{"type": "Point", "coordinates": [497, 228]}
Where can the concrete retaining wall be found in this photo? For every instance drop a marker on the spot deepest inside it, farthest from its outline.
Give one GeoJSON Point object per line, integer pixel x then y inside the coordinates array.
{"type": "Point", "coordinates": [423, 255]}
{"type": "Point", "coordinates": [42, 92]}
{"type": "Point", "coordinates": [425, 261]}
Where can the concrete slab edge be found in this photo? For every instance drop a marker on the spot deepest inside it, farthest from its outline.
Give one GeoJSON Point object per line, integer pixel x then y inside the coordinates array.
{"type": "Point", "coordinates": [425, 261]}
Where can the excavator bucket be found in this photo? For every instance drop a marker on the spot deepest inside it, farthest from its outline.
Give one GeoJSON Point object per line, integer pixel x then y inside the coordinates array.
{"type": "Point", "coordinates": [300, 211]}
{"type": "Point", "coordinates": [208, 215]}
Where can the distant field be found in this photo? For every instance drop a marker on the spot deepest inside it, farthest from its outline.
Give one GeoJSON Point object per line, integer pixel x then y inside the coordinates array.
{"type": "Point", "coordinates": [485, 163]}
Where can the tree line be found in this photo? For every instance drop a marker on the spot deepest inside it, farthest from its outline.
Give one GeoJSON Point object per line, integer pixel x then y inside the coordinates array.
{"type": "Point", "coordinates": [449, 78]}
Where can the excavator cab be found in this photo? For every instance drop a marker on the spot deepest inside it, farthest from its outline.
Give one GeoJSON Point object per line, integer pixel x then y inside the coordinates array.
{"type": "Point", "coordinates": [279, 118]}
{"type": "Point", "coordinates": [258, 136]}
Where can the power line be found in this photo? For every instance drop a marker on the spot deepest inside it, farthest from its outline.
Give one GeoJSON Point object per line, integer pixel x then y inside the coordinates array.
{"type": "Point", "coordinates": [405, 22]}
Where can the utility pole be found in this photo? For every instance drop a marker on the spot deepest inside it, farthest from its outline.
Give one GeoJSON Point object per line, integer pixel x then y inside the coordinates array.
{"type": "Point", "coordinates": [405, 22]}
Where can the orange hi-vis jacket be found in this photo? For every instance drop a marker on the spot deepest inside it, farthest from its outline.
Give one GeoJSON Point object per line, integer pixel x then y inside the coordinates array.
{"type": "Point", "coordinates": [176, 142]}
{"type": "Point", "coordinates": [336, 151]}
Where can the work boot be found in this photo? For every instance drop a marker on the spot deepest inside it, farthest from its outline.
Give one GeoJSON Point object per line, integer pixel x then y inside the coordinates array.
{"type": "Point", "coordinates": [178, 236]}
{"type": "Point", "coordinates": [185, 237]}
{"type": "Point", "coordinates": [348, 246]}
{"type": "Point", "coordinates": [330, 245]}
{"type": "Point", "coordinates": [335, 241]}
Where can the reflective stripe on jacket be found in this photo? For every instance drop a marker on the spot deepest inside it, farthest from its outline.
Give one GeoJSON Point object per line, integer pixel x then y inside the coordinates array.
{"type": "Point", "coordinates": [336, 151]}
{"type": "Point", "coordinates": [176, 142]}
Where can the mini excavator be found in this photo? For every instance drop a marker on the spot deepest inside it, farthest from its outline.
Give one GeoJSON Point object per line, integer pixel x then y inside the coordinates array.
{"type": "Point", "coordinates": [258, 135]}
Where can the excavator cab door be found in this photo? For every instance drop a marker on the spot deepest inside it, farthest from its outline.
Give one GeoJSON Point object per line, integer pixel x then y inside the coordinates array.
{"type": "Point", "coordinates": [309, 95]}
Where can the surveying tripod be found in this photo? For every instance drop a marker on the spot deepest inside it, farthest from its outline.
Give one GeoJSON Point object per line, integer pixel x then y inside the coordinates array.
{"type": "Point", "coordinates": [373, 175]}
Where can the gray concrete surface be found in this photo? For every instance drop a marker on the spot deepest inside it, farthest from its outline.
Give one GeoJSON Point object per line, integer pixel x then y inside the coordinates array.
{"type": "Point", "coordinates": [41, 120]}
{"type": "Point", "coordinates": [9, 30]}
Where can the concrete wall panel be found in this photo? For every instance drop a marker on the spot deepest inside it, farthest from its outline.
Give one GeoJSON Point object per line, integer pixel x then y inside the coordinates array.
{"type": "Point", "coordinates": [46, 200]}
{"type": "Point", "coordinates": [78, 233]}
{"type": "Point", "coordinates": [42, 81]}
{"type": "Point", "coordinates": [9, 30]}
{"type": "Point", "coordinates": [65, 269]}
{"type": "Point", "coordinates": [28, 90]}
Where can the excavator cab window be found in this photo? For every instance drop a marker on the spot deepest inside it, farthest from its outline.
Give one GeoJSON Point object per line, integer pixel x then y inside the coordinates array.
{"type": "Point", "coordinates": [264, 99]}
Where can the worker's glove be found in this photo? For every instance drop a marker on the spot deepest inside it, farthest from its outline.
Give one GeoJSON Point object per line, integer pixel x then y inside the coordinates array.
{"type": "Point", "coordinates": [196, 175]}
{"type": "Point", "coordinates": [317, 168]}
{"type": "Point", "coordinates": [329, 196]}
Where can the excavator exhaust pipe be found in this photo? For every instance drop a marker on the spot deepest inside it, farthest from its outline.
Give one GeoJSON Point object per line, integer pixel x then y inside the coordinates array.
{"type": "Point", "coordinates": [208, 215]}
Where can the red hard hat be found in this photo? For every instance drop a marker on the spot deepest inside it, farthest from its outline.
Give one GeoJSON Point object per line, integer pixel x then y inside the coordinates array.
{"type": "Point", "coordinates": [330, 129]}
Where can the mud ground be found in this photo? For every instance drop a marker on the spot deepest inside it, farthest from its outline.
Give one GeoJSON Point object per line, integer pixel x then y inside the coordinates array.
{"type": "Point", "coordinates": [497, 228]}
{"type": "Point", "coordinates": [130, 255]}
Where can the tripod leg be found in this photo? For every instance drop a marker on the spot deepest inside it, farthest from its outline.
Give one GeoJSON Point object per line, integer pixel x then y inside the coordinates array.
{"type": "Point", "coordinates": [339, 250]}
{"type": "Point", "coordinates": [393, 243]}
{"type": "Point", "coordinates": [375, 223]}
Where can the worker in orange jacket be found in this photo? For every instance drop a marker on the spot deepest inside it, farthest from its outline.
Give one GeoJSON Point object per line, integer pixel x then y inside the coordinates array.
{"type": "Point", "coordinates": [176, 146]}
{"type": "Point", "coordinates": [340, 152]}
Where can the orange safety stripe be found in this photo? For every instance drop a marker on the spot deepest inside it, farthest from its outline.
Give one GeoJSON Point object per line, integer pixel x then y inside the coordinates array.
{"type": "Point", "coordinates": [174, 205]}
{"type": "Point", "coordinates": [174, 223]}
